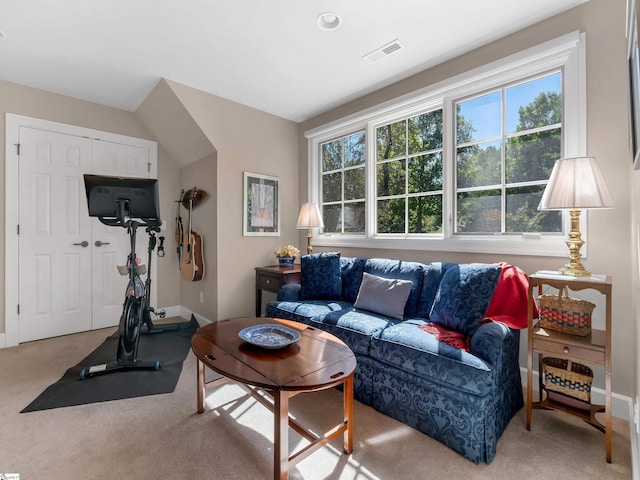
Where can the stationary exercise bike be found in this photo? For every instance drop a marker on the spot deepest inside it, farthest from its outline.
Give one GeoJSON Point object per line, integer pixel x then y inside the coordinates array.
{"type": "Point", "coordinates": [129, 203]}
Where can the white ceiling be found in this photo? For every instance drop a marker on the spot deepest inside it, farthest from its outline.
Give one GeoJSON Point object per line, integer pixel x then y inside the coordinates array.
{"type": "Point", "coordinates": [270, 55]}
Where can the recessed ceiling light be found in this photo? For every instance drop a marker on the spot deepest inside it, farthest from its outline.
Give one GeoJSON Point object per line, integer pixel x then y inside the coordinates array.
{"type": "Point", "coordinates": [2, 34]}
{"type": "Point", "coordinates": [328, 21]}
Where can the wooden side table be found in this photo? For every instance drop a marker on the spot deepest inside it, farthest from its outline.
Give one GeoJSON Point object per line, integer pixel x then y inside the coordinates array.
{"type": "Point", "coordinates": [594, 349]}
{"type": "Point", "coordinates": [271, 278]}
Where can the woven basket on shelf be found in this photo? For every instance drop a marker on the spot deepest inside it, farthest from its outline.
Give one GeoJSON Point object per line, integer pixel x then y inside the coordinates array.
{"type": "Point", "coordinates": [567, 377]}
{"type": "Point", "coordinates": [564, 314]}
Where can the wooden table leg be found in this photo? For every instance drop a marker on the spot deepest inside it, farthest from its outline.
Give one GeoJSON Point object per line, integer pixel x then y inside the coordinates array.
{"type": "Point", "coordinates": [348, 414]}
{"type": "Point", "coordinates": [607, 411]}
{"type": "Point", "coordinates": [200, 387]}
{"type": "Point", "coordinates": [258, 302]}
{"type": "Point", "coordinates": [281, 435]}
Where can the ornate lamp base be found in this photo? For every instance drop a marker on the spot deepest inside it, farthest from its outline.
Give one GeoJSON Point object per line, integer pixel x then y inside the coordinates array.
{"type": "Point", "coordinates": [575, 242]}
{"type": "Point", "coordinates": [309, 247]}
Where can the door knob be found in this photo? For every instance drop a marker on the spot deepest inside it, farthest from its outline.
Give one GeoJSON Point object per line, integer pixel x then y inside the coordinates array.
{"type": "Point", "coordinates": [83, 244]}
{"type": "Point", "coordinates": [99, 243]}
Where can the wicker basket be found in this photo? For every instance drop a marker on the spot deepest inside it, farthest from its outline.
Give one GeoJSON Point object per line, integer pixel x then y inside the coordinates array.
{"type": "Point", "coordinates": [565, 314]}
{"type": "Point", "coordinates": [567, 377]}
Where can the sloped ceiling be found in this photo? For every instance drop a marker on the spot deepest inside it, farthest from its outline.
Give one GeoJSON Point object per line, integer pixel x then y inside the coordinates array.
{"type": "Point", "coordinates": [174, 128]}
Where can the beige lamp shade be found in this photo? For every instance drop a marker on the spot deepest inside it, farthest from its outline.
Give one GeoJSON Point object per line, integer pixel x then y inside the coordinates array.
{"type": "Point", "coordinates": [309, 217]}
{"type": "Point", "coordinates": [575, 183]}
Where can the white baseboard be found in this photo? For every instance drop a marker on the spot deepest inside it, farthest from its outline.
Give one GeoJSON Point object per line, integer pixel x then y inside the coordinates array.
{"type": "Point", "coordinates": [173, 311]}
{"type": "Point", "coordinates": [186, 313]}
{"type": "Point", "coordinates": [621, 404]}
{"type": "Point", "coordinates": [634, 433]}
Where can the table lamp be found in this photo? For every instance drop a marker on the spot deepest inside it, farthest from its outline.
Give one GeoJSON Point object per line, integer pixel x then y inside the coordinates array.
{"type": "Point", "coordinates": [309, 218]}
{"type": "Point", "coordinates": [575, 184]}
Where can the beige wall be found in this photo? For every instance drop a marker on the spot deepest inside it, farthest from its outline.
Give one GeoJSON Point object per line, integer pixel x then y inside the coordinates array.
{"type": "Point", "coordinates": [609, 232]}
{"type": "Point", "coordinates": [168, 278]}
{"type": "Point", "coordinates": [245, 140]}
{"type": "Point", "coordinates": [181, 143]}
{"type": "Point", "coordinates": [202, 174]}
{"type": "Point", "coordinates": [634, 266]}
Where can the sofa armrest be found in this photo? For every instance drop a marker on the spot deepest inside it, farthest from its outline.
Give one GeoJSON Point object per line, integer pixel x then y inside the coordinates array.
{"type": "Point", "coordinates": [289, 293]}
{"type": "Point", "coordinates": [488, 342]}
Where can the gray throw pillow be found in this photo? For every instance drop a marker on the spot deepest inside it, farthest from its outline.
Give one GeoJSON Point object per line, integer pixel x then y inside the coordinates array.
{"type": "Point", "coordinates": [386, 296]}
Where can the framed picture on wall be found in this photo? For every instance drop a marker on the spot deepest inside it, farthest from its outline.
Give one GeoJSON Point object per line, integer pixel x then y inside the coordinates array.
{"type": "Point", "coordinates": [634, 80]}
{"type": "Point", "coordinates": [261, 205]}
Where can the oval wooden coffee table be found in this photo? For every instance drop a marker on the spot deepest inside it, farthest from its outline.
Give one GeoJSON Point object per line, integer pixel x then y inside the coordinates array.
{"type": "Point", "coordinates": [317, 361]}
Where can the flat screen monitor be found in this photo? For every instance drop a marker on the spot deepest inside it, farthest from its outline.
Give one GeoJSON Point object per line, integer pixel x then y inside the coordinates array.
{"type": "Point", "coordinates": [139, 196]}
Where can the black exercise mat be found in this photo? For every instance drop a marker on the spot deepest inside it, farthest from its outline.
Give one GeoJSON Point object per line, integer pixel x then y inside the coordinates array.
{"type": "Point", "coordinates": [171, 348]}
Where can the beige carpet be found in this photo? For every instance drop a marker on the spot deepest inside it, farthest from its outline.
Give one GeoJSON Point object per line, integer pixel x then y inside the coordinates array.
{"type": "Point", "coordinates": [163, 437]}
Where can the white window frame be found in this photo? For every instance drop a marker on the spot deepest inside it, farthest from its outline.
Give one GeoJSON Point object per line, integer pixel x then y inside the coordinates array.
{"type": "Point", "coordinates": [566, 53]}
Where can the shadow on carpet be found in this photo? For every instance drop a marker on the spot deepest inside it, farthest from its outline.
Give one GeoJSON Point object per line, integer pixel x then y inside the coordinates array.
{"type": "Point", "coordinates": [171, 348]}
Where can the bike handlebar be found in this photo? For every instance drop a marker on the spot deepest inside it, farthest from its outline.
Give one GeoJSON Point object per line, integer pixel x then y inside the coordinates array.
{"type": "Point", "coordinates": [153, 224]}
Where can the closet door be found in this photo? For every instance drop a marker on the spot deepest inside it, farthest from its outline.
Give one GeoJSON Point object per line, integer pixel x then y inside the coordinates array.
{"type": "Point", "coordinates": [111, 244]}
{"type": "Point", "coordinates": [54, 280]}
{"type": "Point", "coordinates": [67, 261]}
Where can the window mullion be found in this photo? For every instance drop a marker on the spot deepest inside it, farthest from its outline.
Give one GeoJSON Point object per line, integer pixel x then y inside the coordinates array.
{"type": "Point", "coordinates": [448, 167]}
{"type": "Point", "coordinates": [406, 176]}
{"type": "Point", "coordinates": [503, 164]}
{"type": "Point", "coordinates": [370, 187]}
{"type": "Point", "coordinates": [344, 146]}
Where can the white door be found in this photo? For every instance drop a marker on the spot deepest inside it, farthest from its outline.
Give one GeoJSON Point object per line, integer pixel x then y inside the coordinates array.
{"type": "Point", "coordinates": [54, 267]}
{"type": "Point", "coordinates": [65, 285]}
{"type": "Point", "coordinates": [111, 244]}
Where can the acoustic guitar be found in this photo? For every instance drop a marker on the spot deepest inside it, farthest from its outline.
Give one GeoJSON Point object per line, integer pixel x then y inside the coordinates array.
{"type": "Point", "coordinates": [192, 264]}
{"type": "Point", "coordinates": [179, 229]}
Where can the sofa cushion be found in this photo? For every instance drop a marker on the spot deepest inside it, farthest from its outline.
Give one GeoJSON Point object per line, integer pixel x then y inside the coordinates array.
{"type": "Point", "coordinates": [320, 277]}
{"type": "Point", "coordinates": [351, 269]}
{"type": "Point", "coordinates": [386, 296]}
{"type": "Point", "coordinates": [464, 295]}
{"type": "Point", "coordinates": [433, 274]}
{"type": "Point", "coordinates": [402, 270]}
{"type": "Point", "coordinates": [304, 311]}
{"type": "Point", "coordinates": [409, 348]}
{"type": "Point", "coordinates": [354, 327]}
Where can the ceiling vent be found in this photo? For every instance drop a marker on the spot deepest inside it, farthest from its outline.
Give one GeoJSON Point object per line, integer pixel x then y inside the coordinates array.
{"type": "Point", "coordinates": [385, 51]}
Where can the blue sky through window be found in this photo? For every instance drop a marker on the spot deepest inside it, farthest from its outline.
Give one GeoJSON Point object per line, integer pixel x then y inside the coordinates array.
{"type": "Point", "coordinates": [484, 112]}
{"type": "Point", "coordinates": [525, 93]}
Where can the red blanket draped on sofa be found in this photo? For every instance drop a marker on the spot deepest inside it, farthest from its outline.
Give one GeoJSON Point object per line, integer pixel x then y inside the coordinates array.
{"type": "Point", "coordinates": [509, 302]}
{"type": "Point", "coordinates": [508, 305]}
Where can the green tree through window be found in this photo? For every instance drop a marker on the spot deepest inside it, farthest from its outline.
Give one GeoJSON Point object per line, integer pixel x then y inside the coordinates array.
{"type": "Point", "coordinates": [507, 142]}
{"type": "Point", "coordinates": [343, 184]}
{"type": "Point", "coordinates": [409, 175]}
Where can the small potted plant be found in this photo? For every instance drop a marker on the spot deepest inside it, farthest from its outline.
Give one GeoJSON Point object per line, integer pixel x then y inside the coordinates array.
{"type": "Point", "coordinates": [286, 255]}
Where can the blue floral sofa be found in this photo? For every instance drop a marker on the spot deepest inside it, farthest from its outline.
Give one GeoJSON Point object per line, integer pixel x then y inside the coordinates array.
{"type": "Point", "coordinates": [400, 318]}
